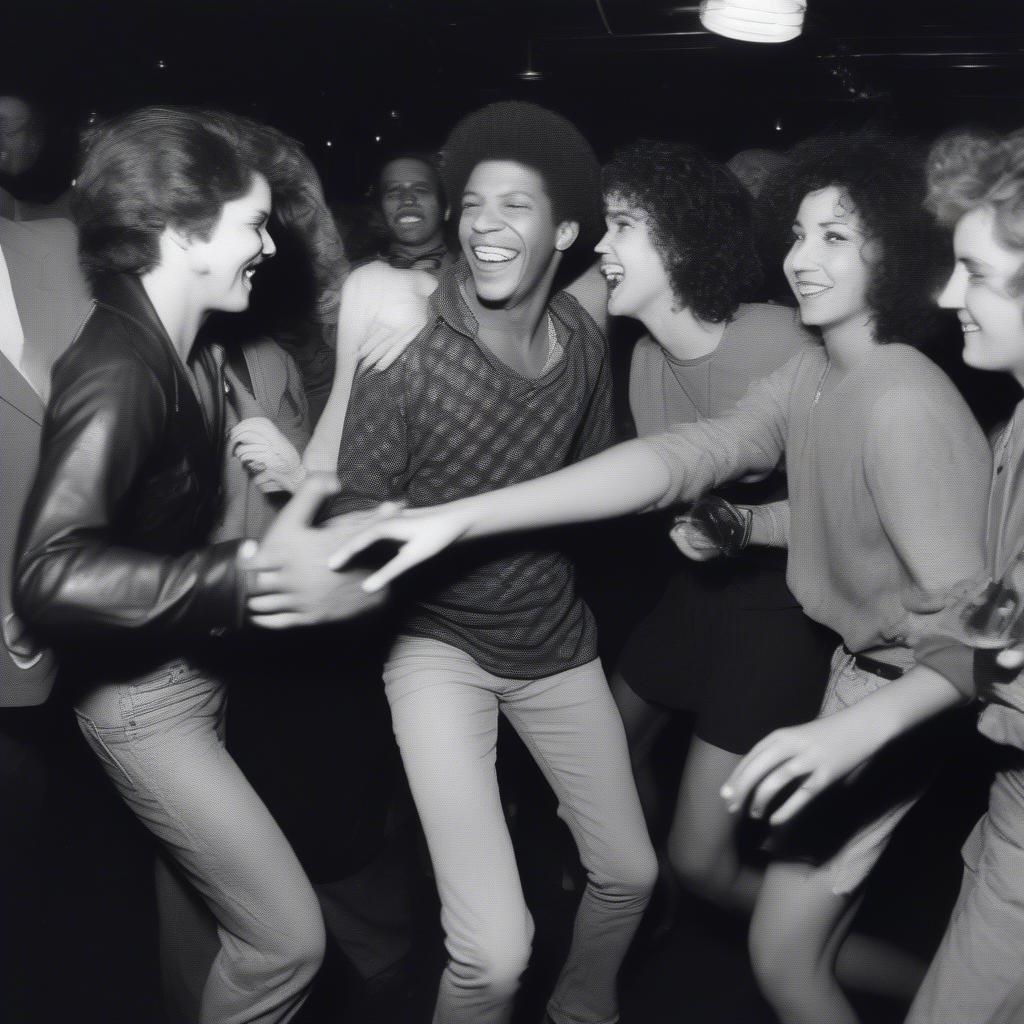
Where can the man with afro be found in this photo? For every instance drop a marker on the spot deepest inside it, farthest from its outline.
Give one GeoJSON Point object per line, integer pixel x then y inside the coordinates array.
{"type": "Point", "coordinates": [508, 381]}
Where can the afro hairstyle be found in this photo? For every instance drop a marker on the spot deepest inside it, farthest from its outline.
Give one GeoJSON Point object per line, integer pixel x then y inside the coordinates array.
{"type": "Point", "coordinates": [536, 138]}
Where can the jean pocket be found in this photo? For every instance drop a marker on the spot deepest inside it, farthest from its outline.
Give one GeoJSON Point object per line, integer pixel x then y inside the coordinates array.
{"type": "Point", "coordinates": [102, 749]}
{"type": "Point", "coordinates": [166, 691]}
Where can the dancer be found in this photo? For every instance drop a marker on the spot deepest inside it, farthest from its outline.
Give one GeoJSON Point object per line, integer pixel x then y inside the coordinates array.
{"type": "Point", "coordinates": [110, 570]}
{"type": "Point", "coordinates": [508, 382]}
{"type": "Point", "coordinates": [887, 473]}
{"type": "Point", "coordinates": [728, 639]}
{"type": "Point", "coordinates": [976, 185]}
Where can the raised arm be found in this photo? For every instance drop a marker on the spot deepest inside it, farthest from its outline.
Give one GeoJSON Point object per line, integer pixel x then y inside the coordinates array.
{"type": "Point", "coordinates": [381, 311]}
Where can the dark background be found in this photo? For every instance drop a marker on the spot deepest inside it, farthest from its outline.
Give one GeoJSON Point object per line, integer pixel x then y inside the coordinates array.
{"type": "Point", "coordinates": [349, 72]}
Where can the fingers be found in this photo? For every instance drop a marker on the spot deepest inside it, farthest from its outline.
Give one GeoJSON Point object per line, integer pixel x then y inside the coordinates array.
{"type": "Point", "coordinates": [387, 509]}
{"type": "Point", "coordinates": [406, 558]}
{"type": "Point", "coordinates": [255, 429]}
{"type": "Point", "coordinates": [1012, 658]}
{"type": "Point", "coordinates": [762, 758]}
{"type": "Point", "coordinates": [301, 509]}
{"type": "Point", "coordinates": [344, 554]}
{"type": "Point", "coordinates": [287, 620]}
{"type": "Point", "coordinates": [799, 799]}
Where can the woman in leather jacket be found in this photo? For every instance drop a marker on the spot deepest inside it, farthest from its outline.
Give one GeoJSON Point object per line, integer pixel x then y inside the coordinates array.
{"type": "Point", "coordinates": [113, 569]}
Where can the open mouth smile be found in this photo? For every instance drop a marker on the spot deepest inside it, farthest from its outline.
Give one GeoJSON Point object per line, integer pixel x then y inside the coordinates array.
{"type": "Point", "coordinates": [494, 254]}
{"type": "Point", "coordinates": [613, 274]}
{"type": "Point", "coordinates": [809, 289]}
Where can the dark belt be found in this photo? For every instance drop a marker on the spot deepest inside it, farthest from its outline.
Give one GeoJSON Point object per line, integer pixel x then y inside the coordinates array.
{"type": "Point", "coordinates": [874, 666]}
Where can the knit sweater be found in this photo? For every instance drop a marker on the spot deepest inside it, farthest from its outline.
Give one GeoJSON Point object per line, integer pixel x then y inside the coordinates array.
{"type": "Point", "coordinates": [888, 474]}
{"type": "Point", "coordinates": [449, 420]}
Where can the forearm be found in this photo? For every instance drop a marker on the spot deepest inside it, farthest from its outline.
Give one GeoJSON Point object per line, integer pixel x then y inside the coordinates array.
{"type": "Point", "coordinates": [906, 702]}
{"type": "Point", "coordinates": [627, 478]}
{"type": "Point", "coordinates": [74, 589]}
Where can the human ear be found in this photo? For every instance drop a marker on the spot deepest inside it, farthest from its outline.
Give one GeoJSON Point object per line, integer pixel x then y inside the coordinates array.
{"type": "Point", "coordinates": [565, 234]}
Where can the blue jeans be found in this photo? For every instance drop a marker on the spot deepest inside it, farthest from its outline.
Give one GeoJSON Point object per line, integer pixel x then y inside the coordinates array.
{"type": "Point", "coordinates": [444, 709]}
{"type": "Point", "coordinates": [161, 741]}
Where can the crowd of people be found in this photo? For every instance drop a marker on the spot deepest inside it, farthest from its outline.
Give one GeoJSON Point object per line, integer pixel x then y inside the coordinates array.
{"type": "Point", "coordinates": [293, 496]}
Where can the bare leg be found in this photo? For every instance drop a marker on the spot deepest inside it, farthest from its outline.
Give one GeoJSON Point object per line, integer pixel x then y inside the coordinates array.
{"type": "Point", "coordinates": [702, 841]}
{"type": "Point", "coordinates": [644, 723]}
{"type": "Point", "coordinates": [798, 926]}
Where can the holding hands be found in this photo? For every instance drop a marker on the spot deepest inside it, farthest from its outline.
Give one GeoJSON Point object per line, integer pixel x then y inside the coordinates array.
{"type": "Point", "coordinates": [422, 532]}
{"type": "Point", "coordinates": [290, 583]}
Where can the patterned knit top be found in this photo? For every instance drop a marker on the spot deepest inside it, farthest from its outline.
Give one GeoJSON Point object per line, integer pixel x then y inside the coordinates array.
{"type": "Point", "coordinates": [449, 420]}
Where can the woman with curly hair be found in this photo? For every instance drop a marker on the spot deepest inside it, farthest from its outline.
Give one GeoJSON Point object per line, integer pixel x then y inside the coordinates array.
{"type": "Point", "coordinates": [679, 256]}
{"type": "Point", "coordinates": [887, 473]}
{"type": "Point", "coordinates": [976, 187]}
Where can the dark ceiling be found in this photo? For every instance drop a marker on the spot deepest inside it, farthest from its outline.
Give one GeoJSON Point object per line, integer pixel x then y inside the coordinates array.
{"type": "Point", "coordinates": [350, 71]}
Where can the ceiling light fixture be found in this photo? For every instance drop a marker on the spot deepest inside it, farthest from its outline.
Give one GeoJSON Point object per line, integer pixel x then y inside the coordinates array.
{"type": "Point", "coordinates": [754, 21]}
{"type": "Point", "coordinates": [529, 73]}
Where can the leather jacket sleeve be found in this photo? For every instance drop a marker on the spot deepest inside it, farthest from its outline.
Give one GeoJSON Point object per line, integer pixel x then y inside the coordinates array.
{"type": "Point", "coordinates": [75, 573]}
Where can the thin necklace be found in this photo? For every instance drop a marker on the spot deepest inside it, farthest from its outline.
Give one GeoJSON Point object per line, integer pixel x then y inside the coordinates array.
{"type": "Point", "coordinates": [821, 382]}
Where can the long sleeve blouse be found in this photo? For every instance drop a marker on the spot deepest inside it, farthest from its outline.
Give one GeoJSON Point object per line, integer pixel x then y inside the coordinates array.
{"type": "Point", "coordinates": [888, 473]}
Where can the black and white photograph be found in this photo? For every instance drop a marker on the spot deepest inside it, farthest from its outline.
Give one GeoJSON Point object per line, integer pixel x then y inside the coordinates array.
{"type": "Point", "coordinates": [512, 513]}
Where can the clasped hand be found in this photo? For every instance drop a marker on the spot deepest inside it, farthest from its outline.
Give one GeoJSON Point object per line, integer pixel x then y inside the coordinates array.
{"type": "Point", "coordinates": [290, 582]}
{"type": "Point", "coordinates": [267, 455]}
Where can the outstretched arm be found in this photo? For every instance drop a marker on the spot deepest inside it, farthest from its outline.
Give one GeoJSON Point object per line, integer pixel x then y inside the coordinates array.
{"type": "Point", "coordinates": [632, 477]}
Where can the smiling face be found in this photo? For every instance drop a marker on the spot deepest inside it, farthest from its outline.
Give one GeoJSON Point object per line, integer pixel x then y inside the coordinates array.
{"type": "Point", "coordinates": [631, 264]}
{"type": "Point", "coordinates": [827, 266]}
{"type": "Point", "coordinates": [239, 242]}
{"type": "Point", "coordinates": [981, 289]}
{"type": "Point", "coordinates": [410, 199]}
{"type": "Point", "coordinates": [508, 231]}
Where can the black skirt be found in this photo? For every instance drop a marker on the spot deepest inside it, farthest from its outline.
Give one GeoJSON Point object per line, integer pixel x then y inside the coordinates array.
{"type": "Point", "coordinates": [729, 642]}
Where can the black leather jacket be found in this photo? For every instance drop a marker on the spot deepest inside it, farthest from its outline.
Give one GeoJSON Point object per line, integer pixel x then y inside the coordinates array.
{"type": "Point", "coordinates": [111, 566]}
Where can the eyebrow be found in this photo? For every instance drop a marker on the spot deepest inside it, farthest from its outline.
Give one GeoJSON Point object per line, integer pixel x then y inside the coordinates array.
{"type": "Point", "coordinates": [624, 211]}
{"type": "Point", "coordinates": [971, 263]}
{"type": "Point", "coordinates": [504, 195]}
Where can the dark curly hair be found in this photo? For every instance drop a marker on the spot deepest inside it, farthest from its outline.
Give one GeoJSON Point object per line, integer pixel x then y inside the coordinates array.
{"type": "Point", "coordinates": [969, 169]}
{"type": "Point", "coordinates": [537, 138]}
{"type": "Point", "coordinates": [883, 178]}
{"type": "Point", "coordinates": [699, 219]}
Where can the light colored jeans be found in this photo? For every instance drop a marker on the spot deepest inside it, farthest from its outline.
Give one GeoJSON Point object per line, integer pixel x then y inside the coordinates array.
{"type": "Point", "coordinates": [444, 709]}
{"type": "Point", "coordinates": [161, 741]}
{"type": "Point", "coordinates": [977, 976]}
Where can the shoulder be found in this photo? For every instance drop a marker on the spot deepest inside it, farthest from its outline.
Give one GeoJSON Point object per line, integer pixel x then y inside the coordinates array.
{"type": "Point", "coordinates": [769, 326]}
{"type": "Point", "coordinates": [104, 345]}
{"type": "Point", "coordinates": [914, 398]}
{"type": "Point", "coordinates": [590, 292]}
{"type": "Point", "coordinates": [378, 282]}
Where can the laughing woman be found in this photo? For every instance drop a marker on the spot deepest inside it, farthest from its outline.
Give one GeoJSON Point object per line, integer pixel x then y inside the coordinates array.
{"type": "Point", "coordinates": [728, 640]}
{"type": "Point", "coordinates": [887, 473]}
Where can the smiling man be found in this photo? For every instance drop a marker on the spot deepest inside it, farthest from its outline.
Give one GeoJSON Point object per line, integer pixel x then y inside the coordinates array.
{"type": "Point", "coordinates": [412, 203]}
{"type": "Point", "coordinates": [506, 382]}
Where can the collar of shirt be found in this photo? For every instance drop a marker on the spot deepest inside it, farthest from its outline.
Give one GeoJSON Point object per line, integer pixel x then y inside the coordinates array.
{"type": "Point", "coordinates": [450, 305]}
